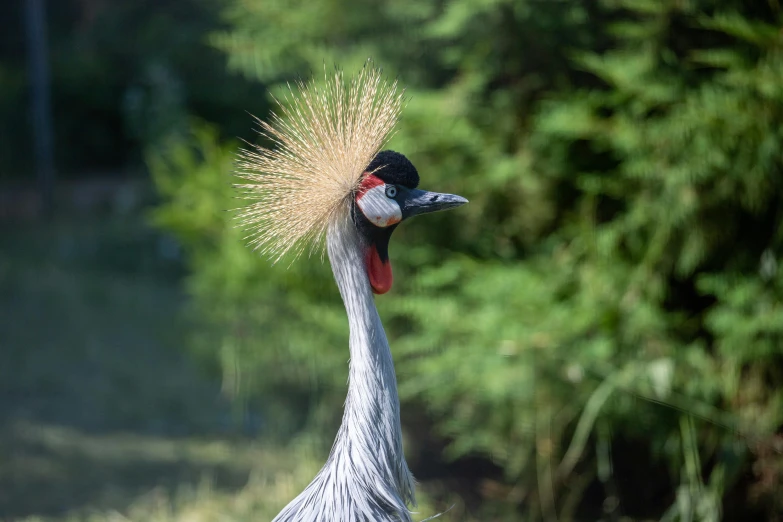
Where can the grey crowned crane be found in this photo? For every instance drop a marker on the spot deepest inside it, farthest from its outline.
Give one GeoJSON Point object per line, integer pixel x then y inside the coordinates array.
{"type": "Point", "coordinates": [326, 176]}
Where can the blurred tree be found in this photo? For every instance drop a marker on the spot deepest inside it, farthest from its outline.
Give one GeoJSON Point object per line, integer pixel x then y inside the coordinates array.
{"type": "Point", "coordinates": [123, 74]}
{"type": "Point", "coordinates": [38, 71]}
{"type": "Point", "coordinates": [622, 159]}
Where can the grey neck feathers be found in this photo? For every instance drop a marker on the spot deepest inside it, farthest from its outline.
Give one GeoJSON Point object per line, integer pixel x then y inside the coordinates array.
{"type": "Point", "coordinates": [366, 478]}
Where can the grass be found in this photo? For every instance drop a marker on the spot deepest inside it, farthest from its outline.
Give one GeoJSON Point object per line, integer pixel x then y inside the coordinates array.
{"type": "Point", "coordinates": [102, 415]}
{"type": "Point", "coordinates": [146, 478]}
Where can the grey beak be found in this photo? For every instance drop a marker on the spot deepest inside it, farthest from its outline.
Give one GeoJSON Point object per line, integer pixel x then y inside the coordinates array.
{"type": "Point", "coordinates": [417, 202]}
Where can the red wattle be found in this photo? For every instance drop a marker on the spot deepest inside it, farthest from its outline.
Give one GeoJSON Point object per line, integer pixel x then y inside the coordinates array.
{"type": "Point", "coordinates": [380, 273]}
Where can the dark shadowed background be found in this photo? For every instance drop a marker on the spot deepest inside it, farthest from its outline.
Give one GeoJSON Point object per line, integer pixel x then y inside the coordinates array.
{"type": "Point", "coordinates": [597, 336]}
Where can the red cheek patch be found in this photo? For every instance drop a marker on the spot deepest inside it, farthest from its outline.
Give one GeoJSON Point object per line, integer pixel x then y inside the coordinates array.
{"type": "Point", "coordinates": [380, 273]}
{"type": "Point", "coordinates": [369, 181]}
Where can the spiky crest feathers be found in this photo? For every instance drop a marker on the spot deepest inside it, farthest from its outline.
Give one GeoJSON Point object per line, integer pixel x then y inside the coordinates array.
{"type": "Point", "coordinates": [324, 137]}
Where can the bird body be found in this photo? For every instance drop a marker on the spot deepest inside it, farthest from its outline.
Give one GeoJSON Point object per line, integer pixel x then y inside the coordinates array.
{"type": "Point", "coordinates": [328, 178]}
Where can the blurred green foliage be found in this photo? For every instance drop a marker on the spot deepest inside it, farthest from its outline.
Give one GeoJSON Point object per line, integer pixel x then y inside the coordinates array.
{"type": "Point", "coordinates": [123, 74]}
{"type": "Point", "coordinates": [605, 315]}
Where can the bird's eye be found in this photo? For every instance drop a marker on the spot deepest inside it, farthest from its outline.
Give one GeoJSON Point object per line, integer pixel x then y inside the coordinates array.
{"type": "Point", "coordinates": [391, 191]}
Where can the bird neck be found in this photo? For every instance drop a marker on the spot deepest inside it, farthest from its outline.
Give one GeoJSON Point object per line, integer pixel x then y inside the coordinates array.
{"type": "Point", "coordinates": [372, 403]}
{"type": "Point", "coordinates": [366, 476]}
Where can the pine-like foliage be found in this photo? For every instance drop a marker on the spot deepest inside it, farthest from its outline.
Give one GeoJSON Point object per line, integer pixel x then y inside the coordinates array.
{"type": "Point", "coordinates": [606, 315]}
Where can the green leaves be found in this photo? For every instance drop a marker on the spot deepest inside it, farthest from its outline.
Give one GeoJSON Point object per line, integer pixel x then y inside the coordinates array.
{"type": "Point", "coordinates": [622, 161]}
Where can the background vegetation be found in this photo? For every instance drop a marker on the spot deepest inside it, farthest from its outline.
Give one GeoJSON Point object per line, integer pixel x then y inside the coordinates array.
{"type": "Point", "coordinates": [597, 336]}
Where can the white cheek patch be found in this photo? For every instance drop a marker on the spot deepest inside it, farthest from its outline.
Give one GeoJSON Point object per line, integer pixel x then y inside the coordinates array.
{"type": "Point", "coordinates": [379, 209]}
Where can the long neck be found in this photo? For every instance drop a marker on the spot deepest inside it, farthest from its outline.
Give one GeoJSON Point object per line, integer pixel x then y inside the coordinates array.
{"type": "Point", "coordinates": [365, 478]}
{"type": "Point", "coordinates": [372, 407]}
{"type": "Point", "coordinates": [370, 430]}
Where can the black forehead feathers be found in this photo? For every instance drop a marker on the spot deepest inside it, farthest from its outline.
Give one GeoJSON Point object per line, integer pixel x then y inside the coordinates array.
{"type": "Point", "coordinates": [393, 167]}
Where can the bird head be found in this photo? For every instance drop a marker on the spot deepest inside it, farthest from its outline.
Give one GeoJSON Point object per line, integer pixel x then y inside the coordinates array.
{"type": "Point", "coordinates": [387, 195]}
{"type": "Point", "coordinates": [327, 165]}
